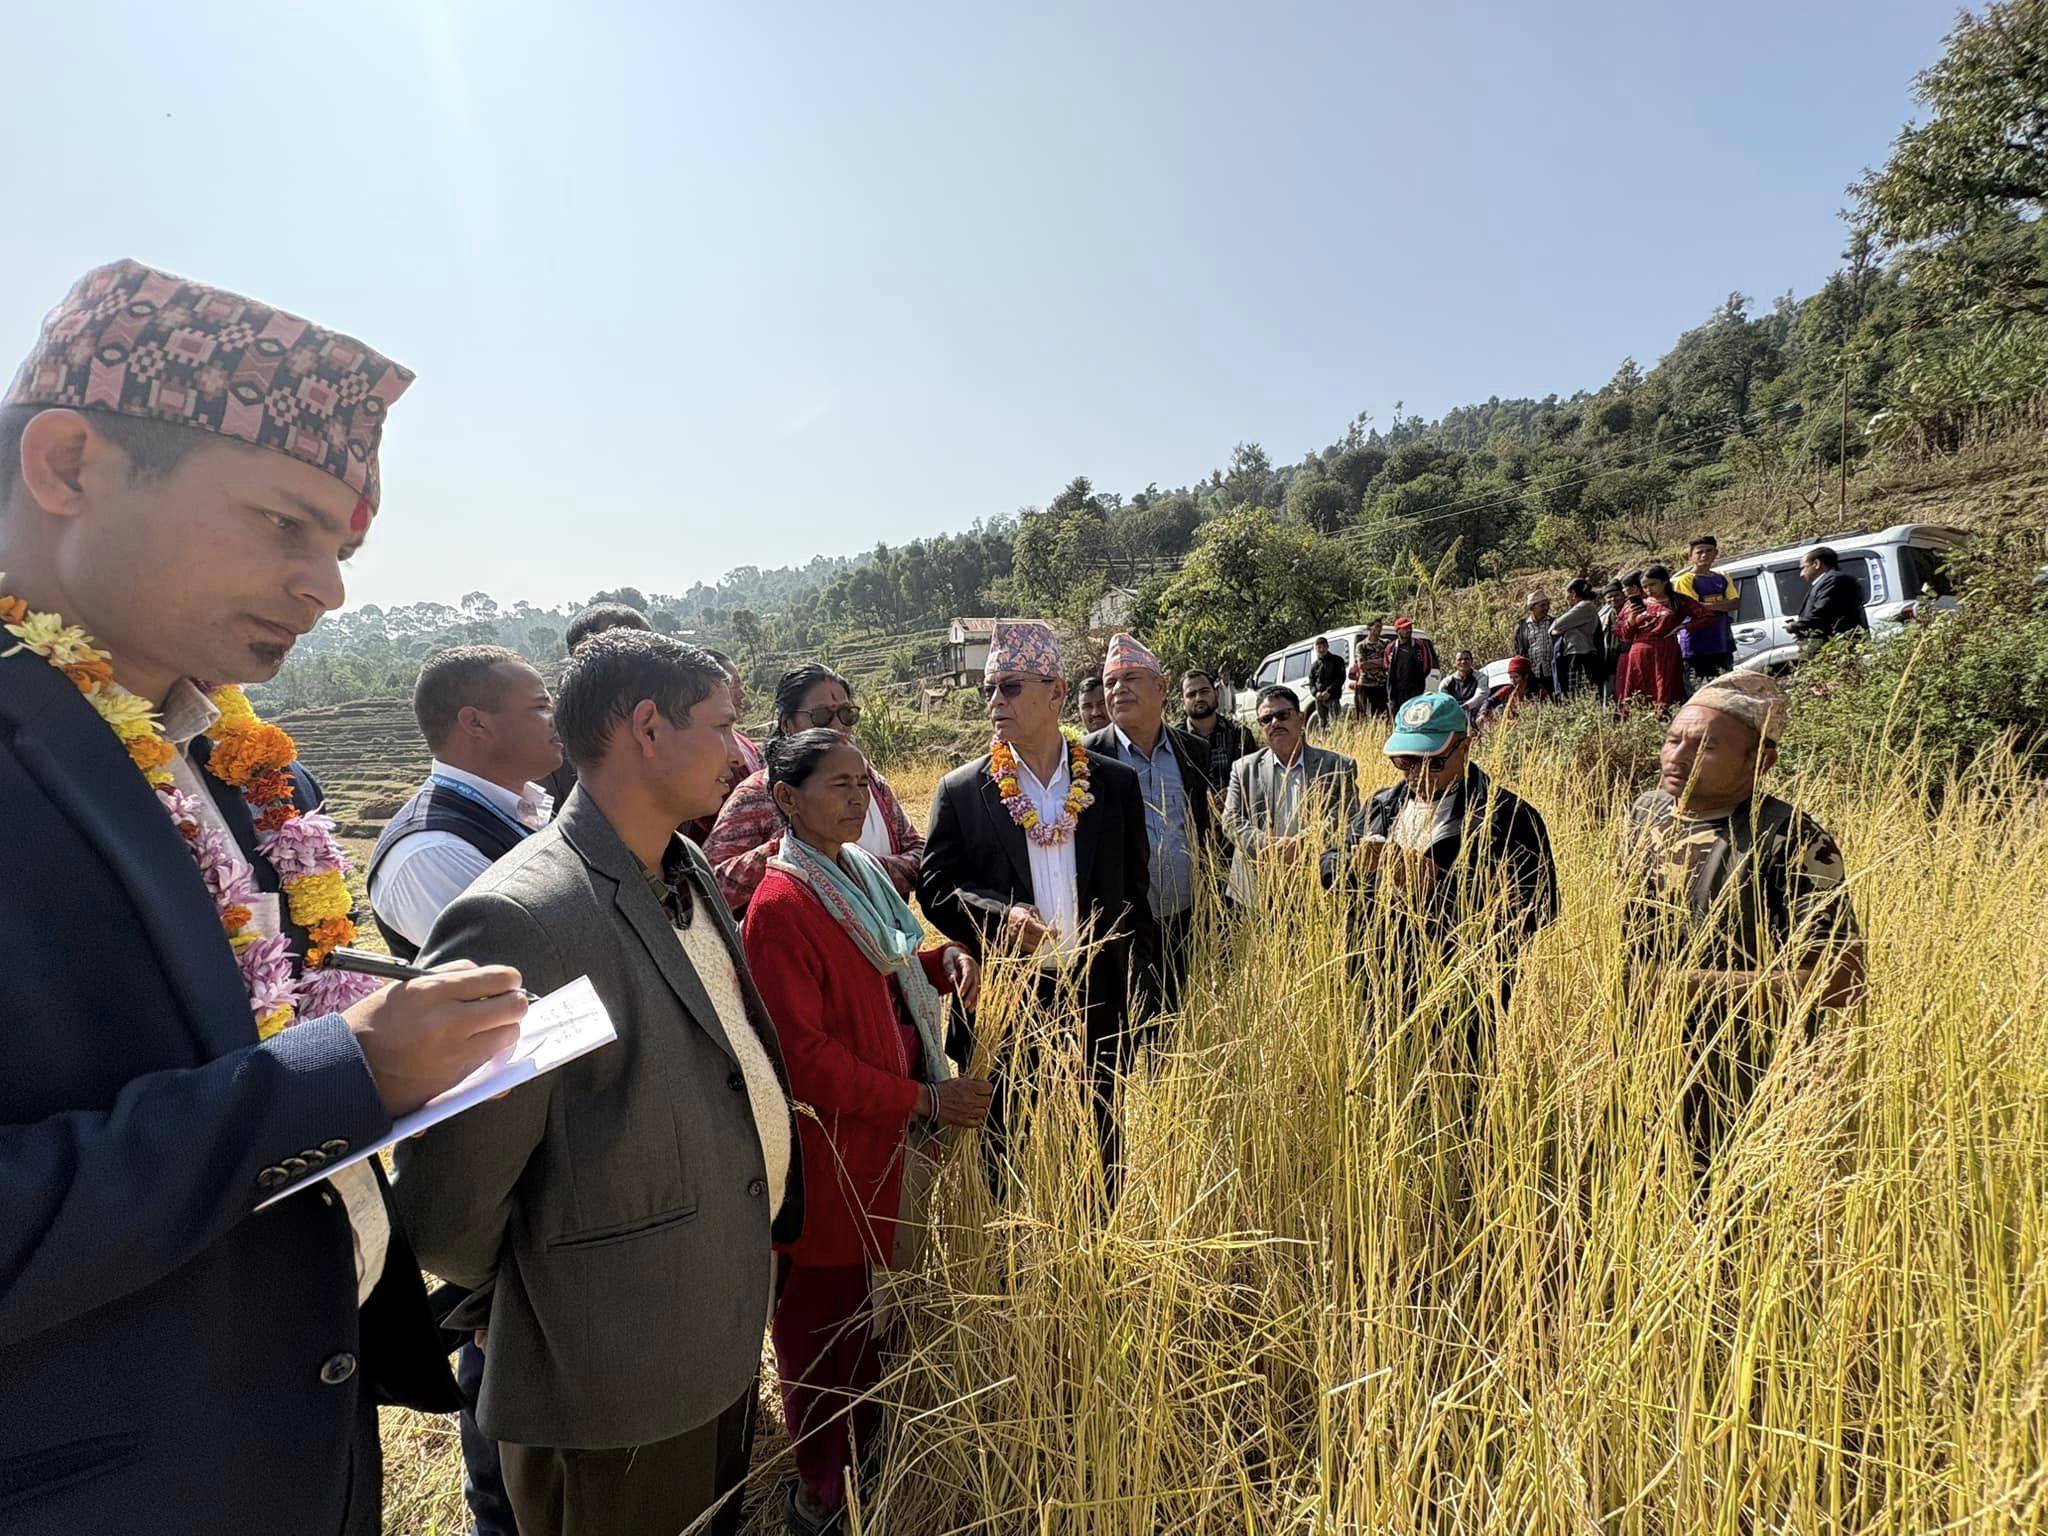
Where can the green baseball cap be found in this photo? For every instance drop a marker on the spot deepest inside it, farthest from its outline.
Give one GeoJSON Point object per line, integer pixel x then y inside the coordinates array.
{"type": "Point", "coordinates": [1427, 724]}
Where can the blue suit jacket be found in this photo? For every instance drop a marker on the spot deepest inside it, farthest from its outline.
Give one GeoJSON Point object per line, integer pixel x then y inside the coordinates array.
{"type": "Point", "coordinates": [170, 1360]}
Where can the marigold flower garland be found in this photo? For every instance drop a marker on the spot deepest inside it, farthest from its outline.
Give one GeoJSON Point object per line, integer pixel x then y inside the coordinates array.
{"type": "Point", "coordinates": [256, 759]}
{"type": "Point", "coordinates": [1002, 767]}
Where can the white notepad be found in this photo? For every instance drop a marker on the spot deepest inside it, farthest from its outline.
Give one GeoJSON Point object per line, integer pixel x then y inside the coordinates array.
{"type": "Point", "coordinates": [567, 1023]}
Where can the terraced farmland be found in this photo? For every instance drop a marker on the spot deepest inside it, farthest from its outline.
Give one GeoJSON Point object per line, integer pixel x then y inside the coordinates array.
{"type": "Point", "coordinates": [367, 755]}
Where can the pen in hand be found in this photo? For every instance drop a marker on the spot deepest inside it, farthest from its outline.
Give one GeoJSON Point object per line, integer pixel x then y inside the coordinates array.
{"type": "Point", "coordinates": [364, 963]}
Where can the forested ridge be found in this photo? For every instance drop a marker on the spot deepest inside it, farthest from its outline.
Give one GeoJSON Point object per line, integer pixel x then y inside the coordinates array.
{"type": "Point", "coordinates": [1929, 340]}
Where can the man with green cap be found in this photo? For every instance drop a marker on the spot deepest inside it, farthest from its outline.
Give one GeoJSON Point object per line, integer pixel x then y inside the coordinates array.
{"type": "Point", "coordinates": [1460, 843]}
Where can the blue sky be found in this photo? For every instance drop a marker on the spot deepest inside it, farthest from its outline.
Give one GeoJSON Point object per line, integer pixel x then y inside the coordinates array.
{"type": "Point", "coordinates": [694, 287]}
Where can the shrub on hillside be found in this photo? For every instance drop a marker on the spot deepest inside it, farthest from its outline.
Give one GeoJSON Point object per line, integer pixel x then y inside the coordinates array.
{"type": "Point", "coordinates": [891, 735]}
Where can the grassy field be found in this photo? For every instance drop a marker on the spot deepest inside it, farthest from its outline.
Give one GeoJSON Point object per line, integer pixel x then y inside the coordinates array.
{"type": "Point", "coordinates": [1350, 1288]}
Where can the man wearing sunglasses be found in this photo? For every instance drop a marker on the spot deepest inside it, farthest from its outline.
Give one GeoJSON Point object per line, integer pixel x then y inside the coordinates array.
{"type": "Point", "coordinates": [1280, 794]}
{"type": "Point", "coordinates": [1011, 866]}
{"type": "Point", "coordinates": [748, 828]}
{"type": "Point", "coordinates": [1460, 844]}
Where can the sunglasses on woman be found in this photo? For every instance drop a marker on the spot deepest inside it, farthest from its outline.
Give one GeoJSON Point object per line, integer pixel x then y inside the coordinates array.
{"type": "Point", "coordinates": [847, 715]}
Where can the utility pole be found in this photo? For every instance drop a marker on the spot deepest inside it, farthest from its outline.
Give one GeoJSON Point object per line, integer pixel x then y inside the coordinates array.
{"type": "Point", "coordinates": [1845, 446]}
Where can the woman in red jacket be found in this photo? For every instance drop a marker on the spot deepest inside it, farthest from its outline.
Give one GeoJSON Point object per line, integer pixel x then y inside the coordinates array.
{"type": "Point", "coordinates": [1647, 625]}
{"type": "Point", "coordinates": [855, 999]}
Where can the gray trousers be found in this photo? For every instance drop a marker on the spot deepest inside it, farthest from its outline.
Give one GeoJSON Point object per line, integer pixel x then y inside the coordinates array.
{"type": "Point", "coordinates": [642, 1490]}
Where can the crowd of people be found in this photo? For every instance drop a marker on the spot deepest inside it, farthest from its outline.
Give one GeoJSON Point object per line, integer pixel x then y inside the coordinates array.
{"type": "Point", "coordinates": [183, 472]}
{"type": "Point", "coordinates": [1647, 638]}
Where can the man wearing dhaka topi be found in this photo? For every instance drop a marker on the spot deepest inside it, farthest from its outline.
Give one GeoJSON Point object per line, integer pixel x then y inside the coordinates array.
{"type": "Point", "coordinates": [182, 472]}
{"type": "Point", "coordinates": [1038, 847]}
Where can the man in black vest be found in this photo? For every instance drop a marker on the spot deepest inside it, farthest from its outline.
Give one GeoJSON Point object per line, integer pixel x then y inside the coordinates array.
{"type": "Point", "coordinates": [491, 724]}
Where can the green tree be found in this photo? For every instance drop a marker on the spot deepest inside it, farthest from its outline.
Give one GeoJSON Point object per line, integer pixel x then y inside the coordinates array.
{"type": "Point", "coordinates": [1254, 582]}
{"type": "Point", "coordinates": [1324, 505]}
{"type": "Point", "coordinates": [1250, 480]}
{"type": "Point", "coordinates": [1957, 180]}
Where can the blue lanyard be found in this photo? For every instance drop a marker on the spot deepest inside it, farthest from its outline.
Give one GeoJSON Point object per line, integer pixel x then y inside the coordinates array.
{"type": "Point", "coordinates": [456, 786]}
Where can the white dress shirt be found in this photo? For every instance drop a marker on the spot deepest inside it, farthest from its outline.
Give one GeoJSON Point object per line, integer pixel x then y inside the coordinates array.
{"type": "Point", "coordinates": [187, 715]}
{"type": "Point", "coordinates": [1055, 877]}
{"type": "Point", "coordinates": [427, 870]}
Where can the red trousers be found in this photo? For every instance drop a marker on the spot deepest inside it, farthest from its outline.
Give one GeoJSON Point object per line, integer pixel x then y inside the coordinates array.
{"type": "Point", "coordinates": [828, 1358]}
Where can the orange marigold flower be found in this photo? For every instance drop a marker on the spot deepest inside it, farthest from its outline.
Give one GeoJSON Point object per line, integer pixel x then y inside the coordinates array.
{"type": "Point", "coordinates": [242, 755]}
{"type": "Point", "coordinates": [328, 933]}
{"type": "Point", "coordinates": [13, 611]}
{"type": "Point", "coordinates": [148, 752]}
{"type": "Point", "coordinates": [89, 674]}
{"type": "Point", "coordinates": [270, 789]}
{"type": "Point", "coordinates": [277, 816]}
{"type": "Point", "coordinates": [235, 919]}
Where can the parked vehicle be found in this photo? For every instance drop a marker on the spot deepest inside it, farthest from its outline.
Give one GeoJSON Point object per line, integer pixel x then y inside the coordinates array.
{"type": "Point", "coordinates": [1897, 569]}
{"type": "Point", "coordinates": [1290, 664]}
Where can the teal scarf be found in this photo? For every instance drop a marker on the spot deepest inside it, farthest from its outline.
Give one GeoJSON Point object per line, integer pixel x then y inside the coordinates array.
{"type": "Point", "coordinates": [856, 891]}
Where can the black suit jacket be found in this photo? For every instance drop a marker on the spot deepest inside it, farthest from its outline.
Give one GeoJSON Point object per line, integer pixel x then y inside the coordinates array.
{"type": "Point", "coordinates": [977, 866]}
{"type": "Point", "coordinates": [1191, 755]}
{"type": "Point", "coordinates": [1833, 606]}
{"type": "Point", "coordinates": [170, 1358]}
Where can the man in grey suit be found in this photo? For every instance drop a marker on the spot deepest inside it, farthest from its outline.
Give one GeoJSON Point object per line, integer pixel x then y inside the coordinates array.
{"type": "Point", "coordinates": [615, 1217]}
{"type": "Point", "coordinates": [1268, 790]}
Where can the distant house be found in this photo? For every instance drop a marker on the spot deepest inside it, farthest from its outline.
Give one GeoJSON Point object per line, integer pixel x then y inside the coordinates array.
{"type": "Point", "coordinates": [1112, 612]}
{"type": "Point", "coordinates": [965, 659]}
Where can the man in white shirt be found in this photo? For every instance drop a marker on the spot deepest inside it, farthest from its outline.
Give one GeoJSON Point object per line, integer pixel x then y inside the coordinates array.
{"type": "Point", "coordinates": [1021, 857]}
{"type": "Point", "coordinates": [491, 724]}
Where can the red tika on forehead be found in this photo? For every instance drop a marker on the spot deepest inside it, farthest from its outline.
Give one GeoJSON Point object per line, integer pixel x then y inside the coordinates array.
{"type": "Point", "coordinates": [359, 519]}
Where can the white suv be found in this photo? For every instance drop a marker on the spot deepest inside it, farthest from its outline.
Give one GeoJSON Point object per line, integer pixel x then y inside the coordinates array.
{"type": "Point", "coordinates": [1894, 568]}
{"type": "Point", "coordinates": [1290, 665]}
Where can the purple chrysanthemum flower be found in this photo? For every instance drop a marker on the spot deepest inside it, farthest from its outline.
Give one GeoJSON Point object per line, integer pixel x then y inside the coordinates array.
{"type": "Point", "coordinates": [328, 992]}
{"type": "Point", "coordinates": [267, 973]}
{"type": "Point", "coordinates": [304, 846]}
{"type": "Point", "coordinates": [181, 806]}
{"type": "Point", "coordinates": [222, 868]}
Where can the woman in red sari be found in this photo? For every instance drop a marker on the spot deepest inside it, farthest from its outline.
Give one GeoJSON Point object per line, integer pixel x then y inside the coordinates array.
{"type": "Point", "coordinates": [841, 964]}
{"type": "Point", "coordinates": [1647, 624]}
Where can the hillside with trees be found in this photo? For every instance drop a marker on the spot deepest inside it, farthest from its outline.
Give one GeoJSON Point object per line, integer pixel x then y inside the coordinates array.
{"type": "Point", "coordinates": [1928, 344]}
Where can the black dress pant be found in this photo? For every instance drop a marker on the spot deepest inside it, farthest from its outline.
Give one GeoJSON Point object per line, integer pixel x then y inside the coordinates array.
{"type": "Point", "coordinates": [635, 1490]}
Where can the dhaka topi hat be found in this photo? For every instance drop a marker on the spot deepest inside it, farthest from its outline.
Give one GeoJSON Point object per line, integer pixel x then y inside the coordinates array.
{"type": "Point", "coordinates": [1026, 646]}
{"type": "Point", "coordinates": [138, 342]}
{"type": "Point", "coordinates": [1754, 698]}
{"type": "Point", "coordinates": [1427, 724]}
{"type": "Point", "coordinates": [1126, 651]}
